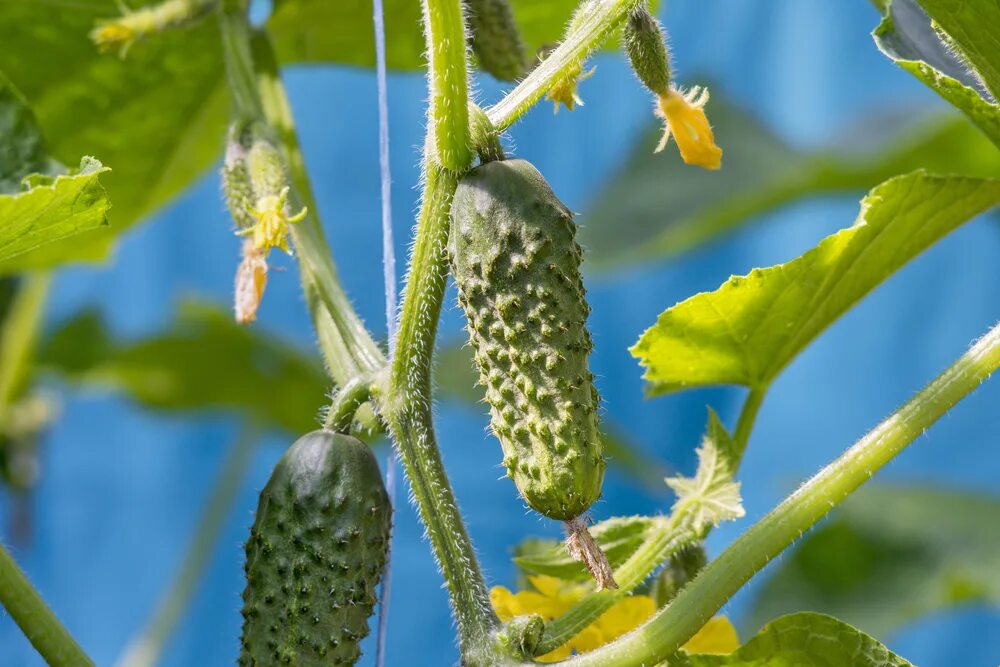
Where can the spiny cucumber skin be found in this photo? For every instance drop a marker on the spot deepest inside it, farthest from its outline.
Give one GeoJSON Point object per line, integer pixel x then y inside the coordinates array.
{"type": "Point", "coordinates": [517, 265]}
{"type": "Point", "coordinates": [495, 38]}
{"type": "Point", "coordinates": [315, 554]}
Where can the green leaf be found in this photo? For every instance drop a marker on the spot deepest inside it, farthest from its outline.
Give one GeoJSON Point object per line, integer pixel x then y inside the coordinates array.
{"type": "Point", "coordinates": [890, 555]}
{"type": "Point", "coordinates": [618, 537]}
{"type": "Point", "coordinates": [205, 361]}
{"type": "Point", "coordinates": [656, 208]}
{"type": "Point", "coordinates": [906, 36]}
{"type": "Point", "coordinates": [711, 496]}
{"type": "Point", "coordinates": [158, 117]}
{"type": "Point", "coordinates": [51, 209]}
{"type": "Point", "coordinates": [801, 640]}
{"type": "Point", "coordinates": [971, 26]}
{"type": "Point", "coordinates": [751, 327]}
{"type": "Point", "coordinates": [314, 31]}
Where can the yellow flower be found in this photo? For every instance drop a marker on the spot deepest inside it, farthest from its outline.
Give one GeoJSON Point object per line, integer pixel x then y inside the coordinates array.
{"type": "Point", "coordinates": [109, 35]}
{"type": "Point", "coordinates": [271, 229]}
{"type": "Point", "coordinates": [685, 118]}
{"type": "Point", "coordinates": [564, 91]}
{"type": "Point", "coordinates": [553, 597]}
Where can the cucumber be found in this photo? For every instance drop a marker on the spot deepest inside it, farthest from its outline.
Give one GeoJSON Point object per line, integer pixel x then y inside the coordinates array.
{"type": "Point", "coordinates": [495, 39]}
{"type": "Point", "coordinates": [517, 265]}
{"type": "Point", "coordinates": [315, 554]}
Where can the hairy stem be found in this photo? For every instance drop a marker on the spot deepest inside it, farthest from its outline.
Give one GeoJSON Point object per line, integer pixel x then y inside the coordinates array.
{"type": "Point", "coordinates": [407, 409]}
{"type": "Point", "coordinates": [666, 538]}
{"type": "Point", "coordinates": [258, 94]}
{"type": "Point", "coordinates": [448, 83]}
{"type": "Point", "coordinates": [667, 631]}
{"type": "Point", "coordinates": [35, 619]}
{"type": "Point", "coordinates": [145, 649]}
{"type": "Point", "coordinates": [598, 18]}
{"type": "Point", "coordinates": [345, 404]}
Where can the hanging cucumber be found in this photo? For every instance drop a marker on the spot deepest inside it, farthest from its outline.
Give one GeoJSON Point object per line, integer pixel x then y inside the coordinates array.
{"type": "Point", "coordinates": [316, 552]}
{"type": "Point", "coordinates": [517, 265]}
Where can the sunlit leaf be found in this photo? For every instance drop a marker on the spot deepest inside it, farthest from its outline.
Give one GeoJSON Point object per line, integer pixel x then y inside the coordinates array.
{"type": "Point", "coordinates": [655, 208]}
{"type": "Point", "coordinates": [971, 27]}
{"type": "Point", "coordinates": [157, 117]}
{"type": "Point", "coordinates": [751, 327]}
{"type": "Point", "coordinates": [906, 36]}
{"type": "Point", "coordinates": [619, 538]}
{"type": "Point", "coordinates": [204, 362]}
{"type": "Point", "coordinates": [890, 555]}
{"type": "Point", "coordinates": [803, 640]}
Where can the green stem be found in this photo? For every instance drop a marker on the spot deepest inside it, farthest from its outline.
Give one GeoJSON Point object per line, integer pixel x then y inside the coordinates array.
{"type": "Point", "coordinates": [258, 94]}
{"type": "Point", "coordinates": [345, 404]}
{"type": "Point", "coordinates": [407, 409]}
{"type": "Point", "coordinates": [744, 425]}
{"type": "Point", "coordinates": [35, 619]}
{"type": "Point", "coordinates": [667, 631]}
{"type": "Point", "coordinates": [19, 336]}
{"type": "Point", "coordinates": [448, 83]}
{"type": "Point", "coordinates": [590, 30]}
{"type": "Point", "coordinates": [666, 538]}
{"type": "Point", "coordinates": [145, 649]}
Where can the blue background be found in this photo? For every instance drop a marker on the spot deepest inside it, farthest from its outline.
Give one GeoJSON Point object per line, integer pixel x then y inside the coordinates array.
{"type": "Point", "coordinates": [122, 488]}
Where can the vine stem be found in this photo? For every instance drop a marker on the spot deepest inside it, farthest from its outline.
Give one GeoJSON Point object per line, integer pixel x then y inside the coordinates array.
{"type": "Point", "coordinates": [145, 649]}
{"type": "Point", "coordinates": [36, 620]}
{"type": "Point", "coordinates": [258, 95]}
{"type": "Point", "coordinates": [667, 631]}
{"type": "Point", "coordinates": [591, 28]}
{"type": "Point", "coordinates": [747, 418]}
{"type": "Point", "coordinates": [448, 83]}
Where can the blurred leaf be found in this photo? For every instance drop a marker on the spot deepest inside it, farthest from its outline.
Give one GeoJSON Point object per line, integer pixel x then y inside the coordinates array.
{"type": "Point", "coordinates": [158, 117]}
{"type": "Point", "coordinates": [315, 31]}
{"type": "Point", "coordinates": [51, 209]}
{"type": "Point", "coordinates": [971, 26]}
{"type": "Point", "coordinates": [656, 208]}
{"type": "Point", "coordinates": [906, 36]}
{"type": "Point", "coordinates": [889, 555]}
{"type": "Point", "coordinates": [205, 361]}
{"type": "Point", "coordinates": [801, 640]}
{"type": "Point", "coordinates": [22, 149]}
{"type": "Point", "coordinates": [456, 377]}
{"type": "Point", "coordinates": [619, 537]}
{"type": "Point", "coordinates": [750, 328]}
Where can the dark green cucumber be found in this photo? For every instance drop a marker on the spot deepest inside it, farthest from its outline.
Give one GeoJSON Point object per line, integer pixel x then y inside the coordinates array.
{"type": "Point", "coordinates": [316, 552]}
{"type": "Point", "coordinates": [517, 265]}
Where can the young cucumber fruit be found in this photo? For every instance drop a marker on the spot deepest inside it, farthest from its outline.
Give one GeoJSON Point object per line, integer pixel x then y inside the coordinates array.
{"type": "Point", "coordinates": [517, 265]}
{"type": "Point", "coordinates": [495, 38]}
{"type": "Point", "coordinates": [315, 555]}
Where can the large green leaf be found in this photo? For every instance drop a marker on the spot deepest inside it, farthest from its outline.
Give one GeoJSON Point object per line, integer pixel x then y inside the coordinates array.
{"type": "Point", "coordinates": [747, 330]}
{"type": "Point", "coordinates": [316, 31]}
{"type": "Point", "coordinates": [656, 208]}
{"type": "Point", "coordinates": [801, 640]}
{"type": "Point", "coordinates": [51, 209]}
{"type": "Point", "coordinates": [971, 26]}
{"type": "Point", "coordinates": [158, 117]}
{"type": "Point", "coordinates": [22, 148]}
{"type": "Point", "coordinates": [906, 36]}
{"type": "Point", "coordinates": [205, 361]}
{"type": "Point", "coordinates": [889, 555]}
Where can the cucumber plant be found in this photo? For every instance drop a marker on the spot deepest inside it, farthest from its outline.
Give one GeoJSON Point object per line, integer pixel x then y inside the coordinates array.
{"type": "Point", "coordinates": [319, 543]}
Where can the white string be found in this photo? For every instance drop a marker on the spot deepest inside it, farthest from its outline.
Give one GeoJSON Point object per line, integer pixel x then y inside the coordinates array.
{"type": "Point", "coordinates": [389, 278]}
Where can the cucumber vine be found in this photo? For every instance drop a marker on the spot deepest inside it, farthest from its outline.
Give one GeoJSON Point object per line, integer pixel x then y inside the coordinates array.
{"type": "Point", "coordinates": [531, 343]}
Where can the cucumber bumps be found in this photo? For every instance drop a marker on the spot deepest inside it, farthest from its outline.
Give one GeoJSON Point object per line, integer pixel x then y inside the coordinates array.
{"type": "Point", "coordinates": [517, 265]}
{"type": "Point", "coordinates": [315, 555]}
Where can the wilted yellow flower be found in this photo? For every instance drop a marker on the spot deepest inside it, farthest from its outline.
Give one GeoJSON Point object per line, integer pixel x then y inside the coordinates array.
{"type": "Point", "coordinates": [251, 279]}
{"type": "Point", "coordinates": [553, 597]}
{"type": "Point", "coordinates": [271, 229]}
{"type": "Point", "coordinates": [685, 118]}
{"type": "Point", "coordinates": [564, 91]}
